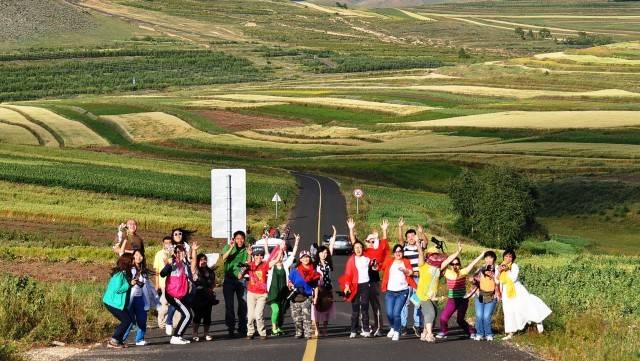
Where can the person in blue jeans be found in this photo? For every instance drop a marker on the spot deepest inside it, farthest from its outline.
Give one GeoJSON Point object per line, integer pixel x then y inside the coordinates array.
{"type": "Point", "coordinates": [485, 291]}
{"type": "Point", "coordinates": [116, 299]}
{"type": "Point", "coordinates": [396, 284]}
{"type": "Point", "coordinates": [142, 297]}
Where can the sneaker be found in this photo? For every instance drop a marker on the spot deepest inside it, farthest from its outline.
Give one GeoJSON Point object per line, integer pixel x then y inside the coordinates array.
{"type": "Point", "coordinates": [184, 340]}
{"type": "Point", "coordinates": [441, 336]}
{"type": "Point", "coordinates": [298, 336]}
{"type": "Point", "coordinates": [489, 338]}
{"type": "Point", "coordinates": [391, 332]}
{"type": "Point", "coordinates": [415, 331]}
{"type": "Point", "coordinates": [540, 327]}
{"type": "Point", "coordinates": [378, 333]}
{"type": "Point", "coordinates": [352, 335]}
{"type": "Point", "coordinates": [249, 337]}
{"type": "Point", "coordinates": [507, 337]}
{"type": "Point", "coordinates": [404, 332]}
{"type": "Point", "coordinates": [195, 339]}
{"type": "Point", "coordinates": [141, 343]}
{"type": "Point", "coordinates": [175, 340]}
{"type": "Point", "coordinates": [168, 330]}
{"type": "Point", "coordinates": [263, 337]}
{"type": "Point", "coordinates": [208, 338]}
{"type": "Point", "coordinates": [472, 336]}
{"type": "Point", "coordinates": [366, 334]}
{"type": "Point", "coordinates": [396, 336]}
{"type": "Point", "coordinates": [477, 338]}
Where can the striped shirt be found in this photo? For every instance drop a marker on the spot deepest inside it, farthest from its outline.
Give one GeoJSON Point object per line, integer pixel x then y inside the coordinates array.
{"type": "Point", "coordinates": [411, 253]}
{"type": "Point", "coordinates": [456, 283]}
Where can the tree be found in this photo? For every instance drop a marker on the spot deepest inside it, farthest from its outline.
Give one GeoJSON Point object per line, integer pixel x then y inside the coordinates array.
{"type": "Point", "coordinates": [520, 32]}
{"type": "Point", "coordinates": [462, 54]}
{"type": "Point", "coordinates": [497, 206]}
{"type": "Point", "coordinates": [544, 33]}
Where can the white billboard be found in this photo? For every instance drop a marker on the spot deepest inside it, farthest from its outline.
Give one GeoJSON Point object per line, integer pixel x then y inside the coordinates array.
{"type": "Point", "coordinates": [228, 202]}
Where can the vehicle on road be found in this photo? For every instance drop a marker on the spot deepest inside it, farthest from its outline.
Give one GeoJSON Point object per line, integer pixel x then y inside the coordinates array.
{"type": "Point", "coordinates": [342, 245]}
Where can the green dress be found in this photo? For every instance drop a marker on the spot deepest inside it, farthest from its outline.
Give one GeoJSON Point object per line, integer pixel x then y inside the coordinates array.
{"type": "Point", "coordinates": [278, 290]}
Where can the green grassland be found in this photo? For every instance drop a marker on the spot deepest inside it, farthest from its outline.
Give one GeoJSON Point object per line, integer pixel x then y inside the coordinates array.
{"type": "Point", "coordinates": [347, 82]}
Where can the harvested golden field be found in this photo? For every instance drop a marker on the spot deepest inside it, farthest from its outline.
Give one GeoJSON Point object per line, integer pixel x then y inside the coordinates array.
{"type": "Point", "coordinates": [537, 120]}
{"type": "Point", "coordinates": [399, 109]}
{"type": "Point", "coordinates": [152, 126]}
{"type": "Point", "coordinates": [582, 150]}
{"type": "Point", "coordinates": [424, 143]}
{"type": "Point", "coordinates": [15, 134]}
{"type": "Point", "coordinates": [416, 16]}
{"type": "Point", "coordinates": [45, 138]}
{"type": "Point", "coordinates": [319, 131]}
{"type": "Point", "coordinates": [72, 133]}
{"type": "Point", "coordinates": [587, 59]}
{"type": "Point", "coordinates": [225, 104]}
{"type": "Point", "coordinates": [257, 135]}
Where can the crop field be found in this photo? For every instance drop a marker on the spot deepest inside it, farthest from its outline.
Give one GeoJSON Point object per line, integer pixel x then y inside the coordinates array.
{"type": "Point", "coordinates": [117, 109]}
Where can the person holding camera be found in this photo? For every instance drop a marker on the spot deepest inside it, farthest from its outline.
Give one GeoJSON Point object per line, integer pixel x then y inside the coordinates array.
{"type": "Point", "coordinates": [127, 239]}
{"type": "Point", "coordinates": [116, 299]}
{"type": "Point", "coordinates": [303, 281]}
{"type": "Point", "coordinates": [323, 309]}
{"type": "Point", "coordinates": [234, 255]}
{"type": "Point", "coordinates": [427, 291]}
{"type": "Point", "coordinates": [164, 322]}
{"type": "Point", "coordinates": [397, 281]}
{"type": "Point", "coordinates": [143, 297]}
{"type": "Point", "coordinates": [178, 276]}
{"type": "Point", "coordinates": [456, 278]}
{"type": "Point", "coordinates": [204, 281]}
{"type": "Point", "coordinates": [518, 305]}
{"type": "Point", "coordinates": [486, 296]}
{"type": "Point", "coordinates": [355, 285]}
{"type": "Point", "coordinates": [257, 272]}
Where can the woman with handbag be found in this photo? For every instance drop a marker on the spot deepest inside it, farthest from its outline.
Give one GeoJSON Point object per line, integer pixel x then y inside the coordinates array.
{"type": "Point", "coordinates": [486, 296]}
{"type": "Point", "coordinates": [303, 280]}
{"type": "Point", "coordinates": [323, 309]}
{"type": "Point", "coordinates": [204, 280]}
{"type": "Point", "coordinates": [177, 274]}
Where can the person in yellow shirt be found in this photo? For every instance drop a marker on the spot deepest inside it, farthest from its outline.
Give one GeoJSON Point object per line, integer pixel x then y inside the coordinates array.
{"type": "Point", "coordinates": [486, 298]}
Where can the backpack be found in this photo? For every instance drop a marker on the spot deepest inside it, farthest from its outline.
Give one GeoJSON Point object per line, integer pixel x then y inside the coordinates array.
{"type": "Point", "coordinates": [177, 285]}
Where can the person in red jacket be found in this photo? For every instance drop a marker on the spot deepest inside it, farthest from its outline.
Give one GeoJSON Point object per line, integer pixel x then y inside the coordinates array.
{"type": "Point", "coordinates": [355, 284]}
{"type": "Point", "coordinates": [396, 283]}
{"type": "Point", "coordinates": [377, 250]}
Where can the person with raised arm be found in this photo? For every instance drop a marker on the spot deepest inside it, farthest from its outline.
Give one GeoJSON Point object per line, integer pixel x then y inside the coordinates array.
{"type": "Point", "coordinates": [178, 276]}
{"type": "Point", "coordinates": [486, 295]}
{"type": "Point", "coordinates": [323, 309]}
{"type": "Point", "coordinates": [377, 250]}
{"type": "Point", "coordinates": [427, 290]}
{"type": "Point", "coordinates": [127, 239]}
{"type": "Point", "coordinates": [235, 256]}
{"type": "Point", "coordinates": [303, 281]}
{"type": "Point", "coordinates": [398, 279]}
{"type": "Point", "coordinates": [354, 282]}
{"type": "Point", "coordinates": [257, 290]}
{"type": "Point", "coordinates": [409, 240]}
{"type": "Point", "coordinates": [204, 281]}
{"type": "Point", "coordinates": [277, 284]}
{"type": "Point", "coordinates": [456, 277]}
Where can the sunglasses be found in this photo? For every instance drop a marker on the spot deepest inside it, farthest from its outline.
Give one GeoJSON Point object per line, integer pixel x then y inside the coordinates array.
{"type": "Point", "coordinates": [177, 233]}
{"type": "Point", "coordinates": [399, 252]}
{"type": "Point", "coordinates": [455, 264]}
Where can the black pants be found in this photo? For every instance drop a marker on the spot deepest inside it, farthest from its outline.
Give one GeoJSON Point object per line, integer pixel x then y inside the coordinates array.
{"type": "Point", "coordinates": [235, 288]}
{"type": "Point", "coordinates": [360, 306]}
{"type": "Point", "coordinates": [185, 314]}
{"type": "Point", "coordinates": [202, 310]}
{"type": "Point", "coordinates": [125, 322]}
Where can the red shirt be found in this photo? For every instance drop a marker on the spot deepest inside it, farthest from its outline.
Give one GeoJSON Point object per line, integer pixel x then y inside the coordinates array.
{"type": "Point", "coordinates": [380, 253]}
{"type": "Point", "coordinates": [258, 277]}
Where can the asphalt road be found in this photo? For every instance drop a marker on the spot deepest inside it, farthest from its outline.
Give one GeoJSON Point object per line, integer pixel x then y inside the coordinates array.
{"type": "Point", "coordinates": [320, 205]}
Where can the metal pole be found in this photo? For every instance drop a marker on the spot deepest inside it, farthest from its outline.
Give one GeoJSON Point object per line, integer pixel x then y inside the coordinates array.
{"type": "Point", "coordinates": [229, 210]}
{"type": "Point", "coordinates": [357, 205]}
{"type": "Point", "coordinates": [276, 211]}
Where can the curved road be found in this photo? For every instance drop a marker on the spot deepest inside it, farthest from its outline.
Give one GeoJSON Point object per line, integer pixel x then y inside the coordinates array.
{"type": "Point", "coordinates": [319, 205]}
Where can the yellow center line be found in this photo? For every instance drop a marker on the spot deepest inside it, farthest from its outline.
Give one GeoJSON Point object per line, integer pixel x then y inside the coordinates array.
{"type": "Point", "coordinates": [312, 343]}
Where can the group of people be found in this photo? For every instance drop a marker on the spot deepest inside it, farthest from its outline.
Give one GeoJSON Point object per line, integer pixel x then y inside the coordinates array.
{"type": "Point", "coordinates": [407, 275]}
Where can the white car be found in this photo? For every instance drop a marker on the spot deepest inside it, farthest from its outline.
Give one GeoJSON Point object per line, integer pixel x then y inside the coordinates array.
{"type": "Point", "coordinates": [271, 244]}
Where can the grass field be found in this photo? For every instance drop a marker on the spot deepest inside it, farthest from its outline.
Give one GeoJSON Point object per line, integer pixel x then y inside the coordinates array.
{"type": "Point", "coordinates": [105, 118]}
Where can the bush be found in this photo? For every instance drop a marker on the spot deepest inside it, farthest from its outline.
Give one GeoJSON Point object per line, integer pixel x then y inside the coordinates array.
{"type": "Point", "coordinates": [497, 206]}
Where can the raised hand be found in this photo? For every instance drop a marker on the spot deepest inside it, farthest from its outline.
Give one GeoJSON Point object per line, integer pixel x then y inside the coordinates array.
{"type": "Point", "coordinates": [384, 225]}
{"type": "Point", "coordinates": [459, 247]}
{"type": "Point", "coordinates": [420, 229]}
{"type": "Point", "coordinates": [401, 222]}
{"type": "Point", "coordinates": [296, 237]}
{"type": "Point", "coordinates": [195, 246]}
{"type": "Point", "coordinates": [334, 231]}
{"type": "Point", "coordinates": [351, 223]}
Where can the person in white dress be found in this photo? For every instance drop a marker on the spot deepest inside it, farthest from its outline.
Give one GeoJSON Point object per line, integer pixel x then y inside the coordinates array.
{"type": "Point", "coordinates": [519, 306]}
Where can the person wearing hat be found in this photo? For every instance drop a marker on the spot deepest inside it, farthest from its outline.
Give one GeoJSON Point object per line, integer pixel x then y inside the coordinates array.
{"type": "Point", "coordinates": [427, 291]}
{"type": "Point", "coordinates": [303, 280]}
{"type": "Point", "coordinates": [377, 250]}
{"type": "Point", "coordinates": [257, 293]}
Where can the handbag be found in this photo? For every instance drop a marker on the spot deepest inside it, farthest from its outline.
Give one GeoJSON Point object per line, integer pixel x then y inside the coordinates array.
{"type": "Point", "coordinates": [177, 285]}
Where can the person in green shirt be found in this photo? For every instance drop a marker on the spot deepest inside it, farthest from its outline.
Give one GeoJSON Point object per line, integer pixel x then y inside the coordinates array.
{"type": "Point", "coordinates": [116, 298]}
{"type": "Point", "coordinates": [235, 257]}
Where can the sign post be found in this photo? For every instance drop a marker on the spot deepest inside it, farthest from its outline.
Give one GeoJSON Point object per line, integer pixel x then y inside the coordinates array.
{"type": "Point", "coordinates": [228, 202]}
{"type": "Point", "coordinates": [358, 193]}
{"type": "Point", "coordinates": [276, 198]}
